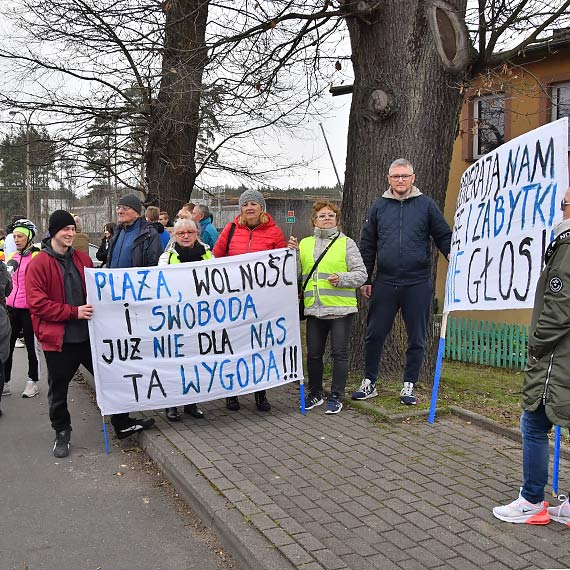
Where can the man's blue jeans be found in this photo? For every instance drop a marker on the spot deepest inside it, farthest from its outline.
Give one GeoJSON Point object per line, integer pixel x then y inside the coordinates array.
{"type": "Point", "coordinates": [536, 453]}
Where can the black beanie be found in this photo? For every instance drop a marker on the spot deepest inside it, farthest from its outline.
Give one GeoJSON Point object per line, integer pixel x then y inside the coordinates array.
{"type": "Point", "coordinates": [59, 220]}
{"type": "Point", "coordinates": [131, 201]}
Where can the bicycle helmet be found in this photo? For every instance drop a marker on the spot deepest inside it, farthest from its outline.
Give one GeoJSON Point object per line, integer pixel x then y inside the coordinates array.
{"type": "Point", "coordinates": [25, 224]}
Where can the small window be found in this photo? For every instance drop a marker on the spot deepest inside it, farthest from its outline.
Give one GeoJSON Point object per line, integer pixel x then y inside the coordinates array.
{"type": "Point", "coordinates": [488, 124]}
{"type": "Point", "coordinates": [561, 102]}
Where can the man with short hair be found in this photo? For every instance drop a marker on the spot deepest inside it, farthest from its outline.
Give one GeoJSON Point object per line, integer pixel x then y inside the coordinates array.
{"type": "Point", "coordinates": [208, 233]}
{"type": "Point", "coordinates": [152, 215]}
{"type": "Point", "coordinates": [81, 240]}
{"type": "Point", "coordinates": [185, 212]}
{"type": "Point", "coordinates": [396, 238]}
{"type": "Point", "coordinates": [134, 244]}
{"type": "Point", "coordinates": [546, 385]}
{"type": "Point", "coordinates": [56, 296]}
{"type": "Point", "coordinates": [164, 219]}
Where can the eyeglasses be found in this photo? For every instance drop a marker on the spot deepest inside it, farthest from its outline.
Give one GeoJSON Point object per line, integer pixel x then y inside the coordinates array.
{"type": "Point", "coordinates": [182, 233]}
{"type": "Point", "coordinates": [400, 176]}
{"type": "Point", "coordinates": [326, 216]}
{"type": "Point", "coordinates": [563, 204]}
{"type": "Point", "coordinates": [123, 208]}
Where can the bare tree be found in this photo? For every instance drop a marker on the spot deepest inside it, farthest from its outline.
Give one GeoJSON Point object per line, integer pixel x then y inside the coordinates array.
{"type": "Point", "coordinates": [172, 78]}
{"type": "Point", "coordinates": [231, 68]}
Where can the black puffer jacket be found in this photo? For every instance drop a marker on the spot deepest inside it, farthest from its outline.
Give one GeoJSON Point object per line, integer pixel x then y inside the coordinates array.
{"type": "Point", "coordinates": [396, 236]}
{"type": "Point", "coordinates": [146, 248]}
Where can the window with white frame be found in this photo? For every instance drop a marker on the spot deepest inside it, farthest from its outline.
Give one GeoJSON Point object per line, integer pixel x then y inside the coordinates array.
{"type": "Point", "coordinates": [560, 94]}
{"type": "Point", "coordinates": [488, 123]}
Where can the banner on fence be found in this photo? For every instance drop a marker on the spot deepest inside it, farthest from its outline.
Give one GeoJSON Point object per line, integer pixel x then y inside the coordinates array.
{"type": "Point", "coordinates": [171, 335]}
{"type": "Point", "coordinates": [508, 203]}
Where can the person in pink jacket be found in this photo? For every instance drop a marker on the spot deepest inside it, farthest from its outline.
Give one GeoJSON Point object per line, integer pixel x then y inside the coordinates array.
{"type": "Point", "coordinates": [24, 232]}
{"type": "Point", "coordinates": [252, 230]}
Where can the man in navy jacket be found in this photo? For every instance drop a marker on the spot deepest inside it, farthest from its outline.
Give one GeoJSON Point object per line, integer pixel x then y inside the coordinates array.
{"type": "Point", "coordinates": [396, 238]}
{"type": "Point", "coordinates": [135, 244]}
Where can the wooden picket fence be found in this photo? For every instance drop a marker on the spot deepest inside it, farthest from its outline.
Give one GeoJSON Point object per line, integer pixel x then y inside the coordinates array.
{"type": "Point", "coordinates": [501, 345]}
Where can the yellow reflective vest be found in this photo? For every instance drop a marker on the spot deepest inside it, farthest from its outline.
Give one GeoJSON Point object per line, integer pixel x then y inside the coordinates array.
{"type": "Point", "coordinates": [173, 256]}
{"type": "Point", "coordinates": [334, 261]}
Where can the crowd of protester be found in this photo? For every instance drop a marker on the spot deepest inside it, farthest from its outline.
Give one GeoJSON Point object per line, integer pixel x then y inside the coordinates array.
{"type": "Point", "coordinates": [43, 297]}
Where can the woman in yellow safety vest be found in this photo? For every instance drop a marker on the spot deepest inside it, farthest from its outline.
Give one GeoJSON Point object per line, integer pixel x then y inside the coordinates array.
{"type": "Point", "coordinates": [329, 299]}
{"type": "Point", "coordinates": [185, 248]}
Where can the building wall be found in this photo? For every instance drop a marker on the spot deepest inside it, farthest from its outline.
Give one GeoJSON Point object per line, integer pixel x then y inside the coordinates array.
{"type": "Point", "coordinates": [526, 108]}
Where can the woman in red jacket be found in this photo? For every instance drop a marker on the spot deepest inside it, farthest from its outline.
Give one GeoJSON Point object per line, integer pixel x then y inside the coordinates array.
{"type": "Point", "coordinates": [253, 230]}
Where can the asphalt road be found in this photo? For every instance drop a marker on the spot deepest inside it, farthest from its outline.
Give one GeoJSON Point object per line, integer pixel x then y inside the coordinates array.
{"type": "Point", "coordinates": [89, 511]}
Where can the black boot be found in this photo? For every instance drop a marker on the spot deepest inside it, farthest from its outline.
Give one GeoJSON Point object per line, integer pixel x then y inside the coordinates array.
{"type": "Point", "coordinates": [193, 410]}
{"type": "Point", "coordinates": [172, 414]}
{"type": "Point", "coordinates": [61, 443]}
{"type": "Point", "coordinates": [261, 401]}
{"type": "Point", "coordinates": [232, 403]}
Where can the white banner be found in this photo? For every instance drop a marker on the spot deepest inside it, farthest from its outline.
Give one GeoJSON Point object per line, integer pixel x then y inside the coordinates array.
{"type": "Point", "coordinates": [508, 203]}
{"type": "Point", "coordinates": [176, 334]}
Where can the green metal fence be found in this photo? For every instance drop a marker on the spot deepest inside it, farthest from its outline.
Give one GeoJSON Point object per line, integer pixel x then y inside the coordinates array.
{"type": "Point", "coordinates": [502, 345]}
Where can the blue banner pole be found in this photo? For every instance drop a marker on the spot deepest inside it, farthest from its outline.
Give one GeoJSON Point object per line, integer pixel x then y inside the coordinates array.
{"type": "Point", "coordinates": [556, 464]}
{"type": "Point", "coordinates": [105, 435]}
{"type": "Point", "coordinates": [437, 374]}
{"type": "Point", "coordinates": [302, 396]}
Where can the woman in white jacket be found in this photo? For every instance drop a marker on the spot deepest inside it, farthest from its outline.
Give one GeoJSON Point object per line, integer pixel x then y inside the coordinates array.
{"type": "Point", "coordinates": [330, 300]}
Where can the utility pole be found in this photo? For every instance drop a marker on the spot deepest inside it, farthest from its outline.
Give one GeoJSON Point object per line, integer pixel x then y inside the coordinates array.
{"type": "Point", "coordinates": [332, 160]}
{"type": "Point", "coordinates": [27, 122]}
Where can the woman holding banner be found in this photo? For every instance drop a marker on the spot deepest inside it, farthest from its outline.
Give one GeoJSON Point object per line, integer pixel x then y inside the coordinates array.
{"type": "Point", "coordinates": [185, 249]}
{"type": "Point", "coordinates": [331, 268]}
{"type": "Point", "coordinates": [252, 230]}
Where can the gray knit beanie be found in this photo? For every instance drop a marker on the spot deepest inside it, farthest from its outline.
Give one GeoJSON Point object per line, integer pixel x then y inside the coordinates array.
{"type": "Point", "coordinates": [131, 201]}
{"type": "Point", "coordinates": [252, 196]}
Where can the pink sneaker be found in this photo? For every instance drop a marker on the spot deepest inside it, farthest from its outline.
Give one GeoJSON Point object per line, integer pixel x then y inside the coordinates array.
{"type": "Point", "coordinates": [561, 513]}
{"type": "Point", "coordinates": [521, 511]}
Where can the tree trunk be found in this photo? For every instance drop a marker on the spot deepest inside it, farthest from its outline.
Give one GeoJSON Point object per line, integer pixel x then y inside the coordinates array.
{"type": "Point", "coordinates": [402, 96]}
{"type": "Point", "coordinates": [175, 115]}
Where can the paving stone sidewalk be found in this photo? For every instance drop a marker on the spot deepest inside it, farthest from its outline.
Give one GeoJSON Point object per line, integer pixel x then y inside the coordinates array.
{"type": "Point", "coordinates": [344, 491]}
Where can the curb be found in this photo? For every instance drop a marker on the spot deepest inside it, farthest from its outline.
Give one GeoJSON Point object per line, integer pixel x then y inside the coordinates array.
{"type": "Point", "coordinates": [472, 417]}
{"type": "Point", "coordinates": [495, 427]}
{"type": "Point", "coordinates": [250, 549]}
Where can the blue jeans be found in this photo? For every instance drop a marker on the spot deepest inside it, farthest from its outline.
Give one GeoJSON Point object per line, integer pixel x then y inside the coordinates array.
{"type": "Point", "coordinates": [536, 453]}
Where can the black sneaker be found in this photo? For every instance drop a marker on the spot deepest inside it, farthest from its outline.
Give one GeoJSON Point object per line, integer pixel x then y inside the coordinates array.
{"type": "Point", "coordinates": [135, 425]}
{"type": "Point", "coordinates": [312, 401]}
{"type": "Point", "coordinates": [61, 443]}
{"type": "Point", "coordinates": [334, 404]}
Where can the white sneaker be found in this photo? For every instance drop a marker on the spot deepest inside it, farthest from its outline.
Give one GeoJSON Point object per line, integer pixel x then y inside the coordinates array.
{"type": "Point", "coordinates": [367, 390]}
{"type": "Point", "coordinates": [408, 394]}
{"type": "Point", "coordinates": [6, 390]}
{"type": "Point", "coordinates": [561, 513]}
{"type": "Point", "coordinates": [19, 344]}
{"type": "Point", "coordinates": [31, 389]}
{"type": "Point", "coordinates": [521, 511]}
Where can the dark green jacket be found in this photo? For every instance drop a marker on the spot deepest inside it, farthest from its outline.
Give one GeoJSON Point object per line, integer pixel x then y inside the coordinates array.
{"type": "Point", "coordinates": [547, 372]}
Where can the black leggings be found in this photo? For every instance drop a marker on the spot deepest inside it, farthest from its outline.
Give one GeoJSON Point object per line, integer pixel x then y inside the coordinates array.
{"type": "Point", "coordinates": [21, 321]}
